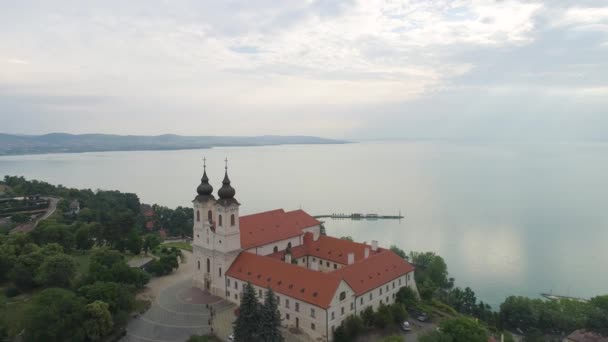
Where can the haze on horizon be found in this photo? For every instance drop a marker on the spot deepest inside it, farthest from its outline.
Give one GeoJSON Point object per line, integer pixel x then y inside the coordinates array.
{"type": "Point", "coordinates": [507, 70]}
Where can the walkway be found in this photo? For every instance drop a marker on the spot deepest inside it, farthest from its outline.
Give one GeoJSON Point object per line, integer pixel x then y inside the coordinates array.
{"type": "Point", "coordinates": [178, 312]}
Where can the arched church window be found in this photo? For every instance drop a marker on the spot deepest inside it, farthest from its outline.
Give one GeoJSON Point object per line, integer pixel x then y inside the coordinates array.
{"type": "Point", "coordinates": [199, 264]}
{"type": "Point", "coordinates": [220, 220]}
{"type": "Point", "coordinates": [220, 271]}
{"type": "Point", "coordinates": [208, 265]}
{"type": "Point", "coordinates": [209, 216]}
{"type": "Point", "coordinates": [289, 245]}
{"type": "Point", "coordinates": [198, 216]}
{"type": "Point", "coordinates": [232, 220]}
{"type": "Point", "coordinates": [275, 249]}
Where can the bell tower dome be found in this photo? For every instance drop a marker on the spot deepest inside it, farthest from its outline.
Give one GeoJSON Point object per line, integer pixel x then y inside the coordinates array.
{"type": "Point", "coordinates": [204, 211]}
{"type": "Point", "coordinates": [227, 223]}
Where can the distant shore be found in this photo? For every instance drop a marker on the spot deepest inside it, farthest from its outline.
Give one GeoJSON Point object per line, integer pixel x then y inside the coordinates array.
{"type": "Point", "coordinates": [12, 145]}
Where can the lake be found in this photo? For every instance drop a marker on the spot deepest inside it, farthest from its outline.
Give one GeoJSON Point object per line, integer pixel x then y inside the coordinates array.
{"type": "Point", "coordinates": [508, 218]}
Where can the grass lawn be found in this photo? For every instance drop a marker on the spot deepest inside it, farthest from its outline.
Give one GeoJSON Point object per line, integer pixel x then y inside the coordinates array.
{"type": "Point", "coordinates": [181, 245]}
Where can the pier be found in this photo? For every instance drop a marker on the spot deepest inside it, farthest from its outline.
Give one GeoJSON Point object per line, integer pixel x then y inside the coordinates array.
{"type": "Point", "coordinates": [359, 216]}
{"type": "Point", "coordinates": [552, 296]}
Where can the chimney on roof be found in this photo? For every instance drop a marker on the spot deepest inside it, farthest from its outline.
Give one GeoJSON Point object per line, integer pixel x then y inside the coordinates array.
{"type": "Point", "coordinates": [374, 245]}
{"type": "Point", "coordinates": [366, 253]}
{"type": "Point", "coordinates": [288, 257]}
{"type": "Point", "coordinates": [308, 238]}
{"type": "Point", "coordinates": [351, 258]}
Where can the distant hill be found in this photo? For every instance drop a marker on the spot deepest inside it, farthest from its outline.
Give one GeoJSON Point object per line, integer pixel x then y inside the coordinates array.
{"type": "Point", "coordinates": [11, 144]}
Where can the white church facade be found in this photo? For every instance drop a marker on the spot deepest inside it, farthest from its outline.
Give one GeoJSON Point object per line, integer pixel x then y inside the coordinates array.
{"type": "Point", "coordinates": [319, 280]}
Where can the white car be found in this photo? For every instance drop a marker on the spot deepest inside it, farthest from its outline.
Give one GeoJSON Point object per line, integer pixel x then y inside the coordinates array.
{"type": "Point", "coordinates": [405, 326]}
{"type": "Point", "coordinates": [231, 337]}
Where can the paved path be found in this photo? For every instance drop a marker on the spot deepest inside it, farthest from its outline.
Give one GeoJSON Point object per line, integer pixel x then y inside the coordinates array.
{"type": "Point", "coordinates": [51, 209]}
{"type": "Point", "coordinates": [178, 310]}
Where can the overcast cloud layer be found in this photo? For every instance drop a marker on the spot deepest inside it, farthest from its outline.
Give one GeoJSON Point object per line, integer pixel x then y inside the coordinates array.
{"type": "Point", "coordinates": [508, 70]}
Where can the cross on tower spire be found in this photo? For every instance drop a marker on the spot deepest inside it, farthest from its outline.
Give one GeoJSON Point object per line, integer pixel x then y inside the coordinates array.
{"type": "Point", "coordinates": [204, 163]}
{"type": "Point", "coordinates": [226, 167]}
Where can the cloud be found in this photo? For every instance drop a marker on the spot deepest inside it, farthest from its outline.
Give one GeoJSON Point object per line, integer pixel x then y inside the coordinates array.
{"type": "Point", "coordinates": [301, 67]}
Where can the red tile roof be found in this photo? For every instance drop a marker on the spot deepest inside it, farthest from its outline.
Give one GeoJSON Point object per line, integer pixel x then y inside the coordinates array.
{"type": "Point", "coordinates": [329, 248]}
{"type": "Point", "coordinates": [374, 271]}
{"type": "Point", "coordinates": [263, 228]}
{"type": "Point", "coordinates": [586, 336]}
{"type": "Point", "coordinates": [309, 286]}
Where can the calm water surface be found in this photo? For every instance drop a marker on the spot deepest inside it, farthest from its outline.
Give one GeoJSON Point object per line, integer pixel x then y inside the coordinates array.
{"type": "Point", "coordinates": [508, 218]}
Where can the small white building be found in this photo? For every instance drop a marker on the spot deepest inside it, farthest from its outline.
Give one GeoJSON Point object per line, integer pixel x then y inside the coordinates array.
{"type": "Point", "coordinates": [74, 207]}
{"type": "Point", "coordinates": [319, 280]}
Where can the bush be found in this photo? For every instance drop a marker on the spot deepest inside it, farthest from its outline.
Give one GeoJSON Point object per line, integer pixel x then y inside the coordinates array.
{"type": "Point", "coordinates": [384, 317]}
{"type": "Point", "coordinates": [399, 313]}
{"type": "Point", "coordinates": [407, 297]}
{"type": "Point", "coordinates": [11, 291]}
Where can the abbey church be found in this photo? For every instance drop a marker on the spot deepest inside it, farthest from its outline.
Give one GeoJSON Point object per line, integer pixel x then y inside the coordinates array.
{"type": "Point", "coordinates": [319, 280]}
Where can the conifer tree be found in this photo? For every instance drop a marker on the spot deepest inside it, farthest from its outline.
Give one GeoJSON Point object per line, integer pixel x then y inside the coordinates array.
{"type": "Point", "coordinates": [246, 326]}
{"type": "Point", "coordinates": [271, 319]}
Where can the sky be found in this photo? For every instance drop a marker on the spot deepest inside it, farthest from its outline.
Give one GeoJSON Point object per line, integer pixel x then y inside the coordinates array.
{"type": "Point", "coordinates": [369, 69]}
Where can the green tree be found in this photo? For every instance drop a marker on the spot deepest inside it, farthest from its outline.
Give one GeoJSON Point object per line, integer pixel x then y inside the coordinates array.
{"type": "Point", "coordinates": [430, 266]}
{"type": "Point", "coordinates": [518, 312]}
{"type": "Point", "coordinates": [340, 335]}
{"type": "Point", "coordinates": [49, 231]}
{"type": "Point", "coordinates": [270, 319]}
{"type": "Point", "coordinates": [597, 318]}
{"type": "Point", "coordinates": [56, 271]}
{"type": "Point", "coordinates": [54, 315]}
{"type": "Point", "coordinates": [87, 215]}
{"type": "Point", "coordinates": [83, 238]}
{"type": "Point", "coordinates": [400, 252]}
{"type": "Point", "coordinates": [353, 326]}
{"type": "Point", "coordinates": [24, 271]}
{"type": "Point", "coordinates": [368, 316]}
{"type": "Point", "coordinates": [151, 241]}
{"type": "Point", "coordinates": [435, 336]}
{"type": "Point", "coordinates": [463, 329]}
{"type": "Point", "coordinates": [109, 265]}
{"type": "Point", "coordinates": [534, 335]}
{"type": "Point", "coordinates": [134, 243]}
{"type": "Point", "coordinates": [20, 218]}
{"type": "Point", "coordinates": [393, 338]}
{"type": "Point", "coordinates": [407, 296]}
{"type": "Point", "coordinates": [117, 296]}
{"type": "Point", "coordinates": [106, 257]}
{"type": "Point", "coordinates": [384, 317]}
{"type": "Point", "coordinates": [398, 312]}
{"type": "Point", "coordinates": [427, 288]}
{"type": "Point", "coordinates": [98, 320]}
{"type": "Point", "coordinates": [51, 249]}
{"type": "Point", "coordinates": [246, 326]}
{"type": "Point", "coordinates": [8, 257]}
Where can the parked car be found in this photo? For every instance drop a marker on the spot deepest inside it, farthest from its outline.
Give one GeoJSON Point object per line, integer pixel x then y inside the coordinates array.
{"type": "Point", "coordinates": [231, 337]}
{"type": "Point", "coordinates": [422, 317]}
{"type": "Point", "coordinates": [405, 326]}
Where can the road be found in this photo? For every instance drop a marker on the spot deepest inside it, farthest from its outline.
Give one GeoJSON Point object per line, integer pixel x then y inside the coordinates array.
{"type": "Point", "coordinates": [50, 210]}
